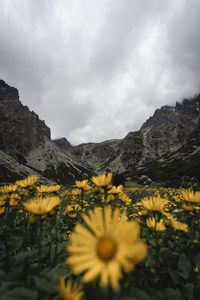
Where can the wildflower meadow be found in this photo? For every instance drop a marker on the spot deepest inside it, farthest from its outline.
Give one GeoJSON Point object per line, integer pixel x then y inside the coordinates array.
{"type": "Point", "coordinates": [95, 241]}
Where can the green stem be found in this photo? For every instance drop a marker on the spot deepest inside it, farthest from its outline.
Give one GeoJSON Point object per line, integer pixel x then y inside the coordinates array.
{"type": "Point", "coordinates": [56, 237]}
{"type": "Point", "coordinates": [105, 194]}
{"type": "Point", "coordinates": [6, 239]}
{"type": "Point", "coordinates": [40, 245]}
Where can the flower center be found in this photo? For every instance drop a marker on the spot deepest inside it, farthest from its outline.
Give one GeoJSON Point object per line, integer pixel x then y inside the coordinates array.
{"type": "Point", "coordinates": [106, 248]}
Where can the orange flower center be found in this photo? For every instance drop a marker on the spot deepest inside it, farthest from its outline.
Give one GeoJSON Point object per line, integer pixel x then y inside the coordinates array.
{"type": "Point", "coordinates": [106, 248]}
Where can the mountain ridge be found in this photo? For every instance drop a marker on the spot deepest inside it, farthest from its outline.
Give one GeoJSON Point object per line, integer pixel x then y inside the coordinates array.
{"type": "Point", "coordinates": [27, 140]}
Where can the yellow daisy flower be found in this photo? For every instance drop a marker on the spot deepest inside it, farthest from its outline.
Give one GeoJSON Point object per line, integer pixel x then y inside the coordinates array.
{"type": "Point", "coordinates": [107, 245]}
{"type": "Point", "coordinates": [39, 206]}
{"type": "Point", "coordinates": [153, 204]}
{"type": "Point", "coordinates": [190, 196]}
{"type": "Point", "coordinates": [179, 225]}
{"type": "Point", "coordinates": [83, 185]}
{"type": "Point", "coordinates": [102, 180]}
{"type": "Point", "coordinates": [124, 198]}
{"type": "Point", "coordinates": [116, 189]}
{"type": "Point", "coordinates": [6, 189]}
{"type": "Point", "coordinates": [156, 225]}
{"type": "Point", "coordinates": [69, 290]}
{"type": "Point", "coordinates": [76, 192]}
{"type": "Point", "coordinates": [3, 200]}
{"type": "Point", "coordinates": [48, 189]}
{"type": "Point", "coordinates": [2, 209]}
{"type": "Point", "coordinates": [29, 181]}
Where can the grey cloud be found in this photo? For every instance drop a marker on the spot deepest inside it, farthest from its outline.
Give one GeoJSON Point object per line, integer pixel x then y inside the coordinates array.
{"type": "Point", "coordinates": [95, 70]}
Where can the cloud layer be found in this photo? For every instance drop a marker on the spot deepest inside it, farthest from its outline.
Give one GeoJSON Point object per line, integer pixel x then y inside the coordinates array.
{"type": "Point", "coordinates": [95, 70]}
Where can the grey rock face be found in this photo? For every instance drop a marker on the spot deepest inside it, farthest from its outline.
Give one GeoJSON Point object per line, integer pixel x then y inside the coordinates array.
{"type": "Point", "coordinates": [8, 93]}
{"type": "Point", "coordinates": [26, 146]}
{"type": "Point", "coordinates": [163, 133]}
{"type": "Point", "coordinates": [62, 143]}
{"type": "Point", "coordinates": [20, 129]}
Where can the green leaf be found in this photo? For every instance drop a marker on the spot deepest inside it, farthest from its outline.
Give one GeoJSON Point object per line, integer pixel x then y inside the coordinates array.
{"type": "Point", "coordinates": [184, 266]}
{"type": "Point", "coordinates": [19, 294]}
{"type": "Point", "coordinates": [137, 294]}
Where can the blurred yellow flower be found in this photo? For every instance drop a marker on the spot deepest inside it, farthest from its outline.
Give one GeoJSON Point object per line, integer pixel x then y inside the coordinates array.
{"type": "Point", "coordinates": [76, 192]}
{"type": "Point", "coordinates": [70, 290]}
{"type": "Point", "coordinates": [71, 210]}
{"type": "Point", "coordinates": [191, 207]}
{"type": "Point", "coordinates": [2, 201]}
{"type": "Point", "coordinates": [84, 185]}
{"type": "Point", "coordinates": [29, 181]}
{"type": "Point", "coordinates": [190, 196]}
{"type": "Point", "coordinates": [2, 209]}
{"type": "Point", "coordinates": [179, 225]}
{"type": "Point", "coordinates": [156, 225]}
{"type": "Point", "coordinates": [48, 189]}
{"type": "Point", "coordinates": [116, 189]}
{"type": "Point", "coordinates": [39, 206]}
{"type": "Point", "coordinates": [124, 198]}
{"type": "Point", "coordinates": [13, 202]}
{"type": "Point", "coordinates": [153, 204]}
{"type": "Point", "coordinates": [6, 189]}
{"type": "Point", "coordinates": [102, 180]}
{"type": "Point", "coordinates": [107, 245]}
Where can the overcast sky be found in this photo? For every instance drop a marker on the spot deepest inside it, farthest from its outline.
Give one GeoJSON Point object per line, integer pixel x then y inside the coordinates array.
{"type": "Point", "coordinates": [97, 69]}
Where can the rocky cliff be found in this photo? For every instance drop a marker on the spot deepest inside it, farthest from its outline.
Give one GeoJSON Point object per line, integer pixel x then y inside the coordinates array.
{"type": "Point", "coordinates": [165, 132]}
{"type": "Point", "coordinates": [20, 128]}
{"type": "Point", "coordinates": [26, 146]}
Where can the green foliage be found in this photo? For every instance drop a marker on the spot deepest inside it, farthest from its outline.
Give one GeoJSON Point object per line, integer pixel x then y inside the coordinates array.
{"type": "Point", "coordinates": [32, 251]}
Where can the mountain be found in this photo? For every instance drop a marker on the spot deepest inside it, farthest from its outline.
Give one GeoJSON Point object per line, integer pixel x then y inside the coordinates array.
{"type": "Point", "coordinates": [166, 147]}
{"type": "Point", "coordinates": [164, 133]}
{"type": "Point", "coordinates": [173, 166]}
{"type": "Point", "coordinates": [26, 145]}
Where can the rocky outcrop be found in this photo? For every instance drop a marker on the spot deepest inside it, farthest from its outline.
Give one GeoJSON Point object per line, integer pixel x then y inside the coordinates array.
{"type": "Point", "coordinates": [165, 132]}
{"type": "Point", "coordinates": [26, 146]}
{"type": "Point", "coordinates": [49, 160]}
{"type": "Point", "coordinates": [20, 129]}
{"type": "Point", "coordinates": [171, 167]}
{"type": "Point", "coordinates": [63, 143]}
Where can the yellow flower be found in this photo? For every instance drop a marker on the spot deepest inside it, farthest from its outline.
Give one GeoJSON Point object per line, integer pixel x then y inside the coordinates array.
{"type": "Point", "coordinates": [153, 204]}
{"type": "Point", "coordinates": [124, 198]}
{"type": "Point", "coordinates": [107, 245]}
{"type": "Point", "coordinates": [70, 210]}
{"type": "Point", "coordinates": [6, 189]}
{"type": "Point", "coordinates": [76, 192]}
{"type": "Point", "coordinates": [102, 180]}
{"type": "Point", "coordinates": [48, 189]}
{"type": "Point", "coordinates": [116, 189]}
{"type": "Point", "coordinates": [83, 185]}
{"type": "Point", "coordinates": [29, 181]}
{"type": "Point", "coordinates": [179, 225]}
{"type": "Point", "coordinates": [191, 207]}
{"type": "Point", "coordinates": [69, 290]}
{"type": "Point", "coordinates": [2, 209]}
{"type": "Point", "coordinates": [41, 206]}
{"type": "Point", "coordinates": [156, 225]}
{"type": "Point", "coordinates": [109, 198]}
{"type": "Point", "coordinates": [3, 200]}
{"type": "Point", "coordinates": [190, 196]}
{"type": "Point", "coordinates": [13, 202]}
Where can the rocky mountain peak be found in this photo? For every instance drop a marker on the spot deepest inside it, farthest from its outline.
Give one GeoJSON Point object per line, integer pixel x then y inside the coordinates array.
{"type": "Point", "coordinates": [62, 143]}
{"type": "Point", "coordinates": [8, 93]}
{"type": "Point", "coordinates": [20, 128]}
{"type": "Point", "coordinates": [189, 108]}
